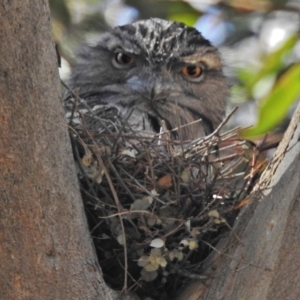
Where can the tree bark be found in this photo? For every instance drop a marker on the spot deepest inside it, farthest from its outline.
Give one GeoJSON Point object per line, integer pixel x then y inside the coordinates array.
{"type": "Point", "coordinates": [45, 248]}
{"type": "Point", "coordinates": [266, 264]}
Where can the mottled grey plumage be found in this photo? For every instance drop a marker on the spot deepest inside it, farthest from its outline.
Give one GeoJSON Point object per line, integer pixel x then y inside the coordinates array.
{"type": "Point", "coordinates": [141, 65]}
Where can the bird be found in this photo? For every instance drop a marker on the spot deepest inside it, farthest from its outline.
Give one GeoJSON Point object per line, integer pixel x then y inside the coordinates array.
{"type": "Point", "coordinates": [157, 70]}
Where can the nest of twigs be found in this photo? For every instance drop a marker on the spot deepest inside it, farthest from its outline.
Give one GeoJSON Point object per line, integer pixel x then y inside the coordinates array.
{"type": "Point", "coordinates": [156, 205]}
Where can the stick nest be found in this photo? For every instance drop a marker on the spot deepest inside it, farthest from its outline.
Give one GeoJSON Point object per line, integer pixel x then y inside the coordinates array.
{"type": "Point", "coordinates": [157, 205]}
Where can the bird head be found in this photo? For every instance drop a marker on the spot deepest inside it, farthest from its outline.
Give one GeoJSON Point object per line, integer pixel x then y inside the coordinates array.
{"type": "Point", "coordinates": [160, 71]}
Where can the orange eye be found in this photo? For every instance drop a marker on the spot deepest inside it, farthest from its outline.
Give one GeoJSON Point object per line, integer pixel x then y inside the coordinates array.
{"type": "Point", "coordinates": [192, 71]}
{"type": "Point", "coordinates": [123, 59]}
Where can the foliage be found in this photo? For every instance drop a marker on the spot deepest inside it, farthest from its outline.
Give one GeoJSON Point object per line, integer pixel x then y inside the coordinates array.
{"type": "Point", "coordinates": [274, 106]}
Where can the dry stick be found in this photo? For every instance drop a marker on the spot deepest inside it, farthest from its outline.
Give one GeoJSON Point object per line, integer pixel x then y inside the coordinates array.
{"type": "Point", "coordinates": [255, 170]}
{"type": "Point", "coordinates": [143, 188]}
{"type": "Point", "coordinates": [150, 161]}
{"type": "Point", "coordinates": [75, 149]}
{"type": "Point", "coordinates": [171, 153]}
{"type": "Point", "coordinates": [80, 165]}
{"type": "Point", "coordinates": [137, 136]}
{"type": "Point", "coordinates": [206, 208]}
{"type": "Point", "coordinates": [173, 231]}
{"type": "Point", "coordinates": [235, 235]}
{"type": "Point", "coordinates": [160, 140]}
{"type": "Point", "coordinates": [75, 132]}
{"type": "Point", "coordinates": [182, 126]}
{"type": "Point", "coordinates": [120, 180]}
{"type": "Point", "coordinates": [249, 177]}
{"type": "Point", "coordinates": [215, 133]}
{"type": "Point", "coordinates": [73, 111]}
{"type": "Point", "coordinates": [165, 132]}
{"type": "Point", "coordinates": [179, 127]}
{"type": "Point", "coordinates": [122, 128]}
{"type": "Point", "coordinates": [231, 132]}
{"type": "Point", "coordinates": [162, 159]}
{"type": "Point", "coordinates": [128, 212]}
{"type": "Point", "coordinates": [80, 100]}
{"type": "Point", "coordinates": [142, 212]}
{"type": "Point", "coordinates": [136, 282]}
{"type": "Point", "coordinates": [120, 209]}
{"type": "Point", "coordinates": [231, 257]}
{"type": "Point", "coordinates": [191, 275]}
{"type": "Point", "coordinates": [233, 145]}
{"type": "Point", "coordinates": [225, 120]}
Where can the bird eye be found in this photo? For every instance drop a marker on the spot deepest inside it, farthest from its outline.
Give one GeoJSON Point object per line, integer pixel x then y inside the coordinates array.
{"type": "Point", "coordinates": [191, 71]}
{"type": "Point", "coordinates": [123, 59]}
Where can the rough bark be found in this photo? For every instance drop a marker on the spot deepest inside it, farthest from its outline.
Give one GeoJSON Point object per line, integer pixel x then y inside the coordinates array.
{"type": "Point", "coordinates": [45, 248]}
{"type": "Point", "coordinates": [266, 265]}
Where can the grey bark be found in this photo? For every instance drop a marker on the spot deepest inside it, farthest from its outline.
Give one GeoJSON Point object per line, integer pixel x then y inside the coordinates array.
{"type": "Point", "coordinates": [45, 248]}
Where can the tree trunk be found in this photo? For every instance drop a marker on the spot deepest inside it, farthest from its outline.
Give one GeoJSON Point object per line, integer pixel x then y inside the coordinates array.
{"type": "Point", "coordinates": [45, 248]}
{"type": "Point", "coordinates": [266, 265]}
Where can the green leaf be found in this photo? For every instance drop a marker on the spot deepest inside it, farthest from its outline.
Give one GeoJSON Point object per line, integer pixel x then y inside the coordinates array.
{"type": "Point", "coordinates": [276, 104]}
{"type": "Point", "coordinates": [273, 64]}
{"type": "Point", "coordinates": [184, 13]}
{"type": "Point", "coordinates": [188, 19]}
